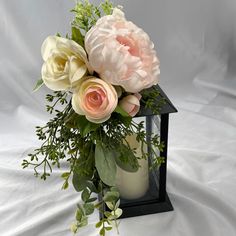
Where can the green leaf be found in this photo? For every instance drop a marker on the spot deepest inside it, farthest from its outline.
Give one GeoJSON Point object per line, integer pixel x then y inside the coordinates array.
{"type": "Point", "coordinates": [98, 205]}
{"type": "Point", "coordinates": [117, 204]}
{"type": "Point", "coordinates": [74, 228]}
{"type": "Point", "coordinates": [65, 175]}
{"type": "Point", "coordinates": [114, 189]}
{"type": "Point", "coordinates": [107, 214]}
{"type": "Point", "coordinates": [77, 36]}
{"type": "Point", "coordinates": [79, 182]}
{"type": "Point", "coordinates": [115, 214]}
{"type": "Point", "coordinates": [118, 212]}
{"type": "Point", "coordinates": [65, 185]}
{"type": "Point", "coordinates": [85, 126]}
{"type": "Point", "coordinates": [92, 187]}
{"type": "Point", "coordinates": [73, 120]}
{"type": "Point", "coordinates": [70, 120]}
{"type": "Point", "coordinates": [108, 228]}
{"type": "Point", "coordinates": [80, 207]}
{"type": "Point", "coordinates": [111, 196]}
{"type": "Point", "coordinates": [84, 221]}
{"type": "Point", "coordinates": [91, 199]}
{"type": "Point", "coordinates": [78, 215]}
{"type": "Point", "coordinates": [99, 224]}
{"type": "Point", "coordinates": [121, 111]}
{"type": "Point", "coordinates": [89, 208]}
{"type": "Point", "coordinates": [125, 120]}
{"type": "Point", "coordinates": [110, 205]}
{"type": "Point", "coordinates": [102, 232]}
{"type": "Point", "coordinates": [105, 164]}
{"type": "Point", "coordinates": [38, 85]}
{"type": "Point", "coordinates": [85, 195]}
{"type": "Point", "coordinates": [125, 158]}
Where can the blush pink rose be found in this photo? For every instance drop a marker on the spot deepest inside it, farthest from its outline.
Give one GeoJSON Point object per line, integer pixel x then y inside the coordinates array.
{"type": "Point", "coordinates": [94, 98]}
{"type": "Point", "coordinates": [122, 53]}
{"type": "Point", "coordinates": [131, 104]}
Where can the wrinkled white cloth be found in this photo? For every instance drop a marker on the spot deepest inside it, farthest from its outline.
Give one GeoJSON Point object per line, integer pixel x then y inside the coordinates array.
{"type": "Point", "coordinates": [197, 53]}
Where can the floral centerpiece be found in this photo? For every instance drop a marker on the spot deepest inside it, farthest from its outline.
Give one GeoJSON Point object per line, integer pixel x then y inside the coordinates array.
{"type": "Point", "coordinates": [101, 74]}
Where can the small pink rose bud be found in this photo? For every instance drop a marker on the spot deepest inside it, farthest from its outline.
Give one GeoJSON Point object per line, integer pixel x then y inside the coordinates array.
{"type": "Point", "coordinates": [131, 104]}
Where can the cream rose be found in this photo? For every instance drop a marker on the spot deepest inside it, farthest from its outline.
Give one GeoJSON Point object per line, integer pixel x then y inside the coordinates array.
{"type": "Point", "coordinates": [131, 104]}
{"type": "Point", "coordinates": [94, 98]}
{"type": "Point", "coordinates": [65, 63]}
{"type": "Point", "coordinates": [122, 53]}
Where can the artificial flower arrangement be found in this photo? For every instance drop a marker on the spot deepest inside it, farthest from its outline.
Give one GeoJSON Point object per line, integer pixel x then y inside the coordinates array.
{"type": "Point", "coordinates": [100, 74]}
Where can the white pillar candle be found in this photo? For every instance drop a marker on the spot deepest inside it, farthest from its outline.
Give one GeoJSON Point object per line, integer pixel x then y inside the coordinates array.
{"type": "Point", "coordinates": [133, 185]}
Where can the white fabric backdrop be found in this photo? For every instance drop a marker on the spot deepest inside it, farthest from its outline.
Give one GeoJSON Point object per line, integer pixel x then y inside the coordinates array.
{"type": "Point", "coordinates": [196, 42]}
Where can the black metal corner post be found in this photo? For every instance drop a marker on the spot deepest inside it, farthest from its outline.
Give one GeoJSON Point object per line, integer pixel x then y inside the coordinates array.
{"type": "Point", "coordinates": [163, 167]}
{"type": "Point", "coordinates": [148, 135]}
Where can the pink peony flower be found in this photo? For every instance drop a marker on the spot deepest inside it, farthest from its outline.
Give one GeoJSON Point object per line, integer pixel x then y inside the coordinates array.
{"type": "Point", "coordinates": [94, 98]}
{"type": "Point", "coordinates": [131, 104]}
{"type": "Point", "coordinates": [122, 53]}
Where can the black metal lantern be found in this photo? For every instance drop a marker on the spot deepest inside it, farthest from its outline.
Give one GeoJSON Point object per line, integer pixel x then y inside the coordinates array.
{"type": "Point", "coordinates": [155, 198]}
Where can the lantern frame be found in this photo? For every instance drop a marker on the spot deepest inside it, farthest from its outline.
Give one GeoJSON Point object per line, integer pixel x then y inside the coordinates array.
{"type": "Point", "coordinates": [161, 203]}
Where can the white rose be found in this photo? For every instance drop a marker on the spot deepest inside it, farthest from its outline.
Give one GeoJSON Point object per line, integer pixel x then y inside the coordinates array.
{"type": "Point", "coordinates": [65, 63]}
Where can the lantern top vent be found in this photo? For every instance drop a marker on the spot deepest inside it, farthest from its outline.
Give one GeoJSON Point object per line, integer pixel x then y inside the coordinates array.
{"type": "Point", "coordinates": [163, 103]}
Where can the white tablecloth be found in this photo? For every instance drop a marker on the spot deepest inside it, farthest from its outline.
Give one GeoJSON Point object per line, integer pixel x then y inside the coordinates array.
{"type": "Point", "coordinates": [198, 74]}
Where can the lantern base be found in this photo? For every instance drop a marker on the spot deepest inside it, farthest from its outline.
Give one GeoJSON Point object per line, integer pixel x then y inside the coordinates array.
{"type": "Point", "coordinates": [148, 207]}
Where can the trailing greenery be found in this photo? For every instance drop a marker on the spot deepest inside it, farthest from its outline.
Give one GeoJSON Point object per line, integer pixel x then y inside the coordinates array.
{"type": "Point", "coordinates": [93, 151]}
